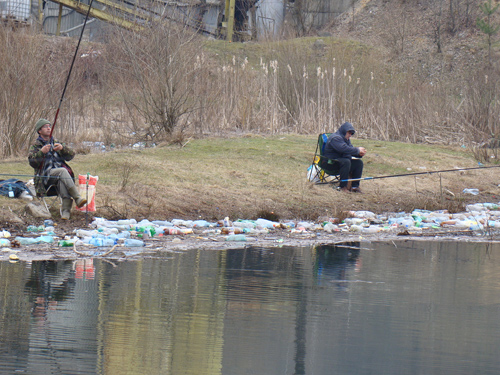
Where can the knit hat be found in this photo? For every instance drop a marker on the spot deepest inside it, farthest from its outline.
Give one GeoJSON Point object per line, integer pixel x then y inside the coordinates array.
{"type": "Point", "coordinates": [41, 123]}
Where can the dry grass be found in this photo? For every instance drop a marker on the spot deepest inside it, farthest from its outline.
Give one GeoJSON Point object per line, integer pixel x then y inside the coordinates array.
{"type": "Point", "coordinates": [169, 83]}
{"type": "Point", "coordinates": [250, 177]}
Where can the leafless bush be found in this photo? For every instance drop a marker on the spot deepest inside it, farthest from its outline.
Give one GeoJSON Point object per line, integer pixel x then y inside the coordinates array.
{"type": "Point", "coordinates": [25, 96]}
{"type": "Point", "coordinates": [158, 75]}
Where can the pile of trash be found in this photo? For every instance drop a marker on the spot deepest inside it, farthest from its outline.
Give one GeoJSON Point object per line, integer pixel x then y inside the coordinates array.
{"type": "Point", "coordinates": [479, 218]}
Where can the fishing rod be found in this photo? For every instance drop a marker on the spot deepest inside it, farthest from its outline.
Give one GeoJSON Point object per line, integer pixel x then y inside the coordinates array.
{"type": "Point", "coordinates": [70, 69]}
{"type": "Point", "coordinates": [417, 173]}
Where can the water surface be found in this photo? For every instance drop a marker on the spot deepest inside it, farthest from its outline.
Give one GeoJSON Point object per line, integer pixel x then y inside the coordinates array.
{"type": "Point", "coordinates": [399, 308]}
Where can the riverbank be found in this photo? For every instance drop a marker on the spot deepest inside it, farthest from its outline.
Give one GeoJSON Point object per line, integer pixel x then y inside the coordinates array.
{"type": "Point", "coordinates": [129, 239]}
{"type": "Point", "coordinates": [253, 177]}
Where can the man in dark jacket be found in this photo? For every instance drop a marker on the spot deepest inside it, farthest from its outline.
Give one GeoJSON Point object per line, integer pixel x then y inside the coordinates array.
{"type": "Point", "coordinates": [339, 147]}
{"type": "Point", "coordinates": [48, 158]}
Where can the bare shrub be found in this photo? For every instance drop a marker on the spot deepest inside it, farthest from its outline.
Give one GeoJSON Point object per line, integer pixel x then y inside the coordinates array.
{"type": "Point", "coordinates": [156, 74]}
{"type": "Point", "coordinates": [23, 79]}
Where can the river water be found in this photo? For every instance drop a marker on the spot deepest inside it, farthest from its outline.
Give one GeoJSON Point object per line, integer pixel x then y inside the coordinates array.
{"type": "Point", "coordinates": [404, 307]}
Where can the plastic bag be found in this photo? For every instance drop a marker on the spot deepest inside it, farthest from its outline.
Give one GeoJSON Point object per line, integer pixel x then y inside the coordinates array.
{"type": "Point", "coordinates": [83, 184]}
{"type": "Point", "coordinates": [314, 172]}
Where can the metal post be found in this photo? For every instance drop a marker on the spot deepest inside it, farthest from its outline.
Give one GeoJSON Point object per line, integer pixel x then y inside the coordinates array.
{"type": "Point", "coordinates": [230, 5]}
{"type": "Point", "coordinates": [40, 13]}
{"type": "Point", "coordinates": [59, 17]}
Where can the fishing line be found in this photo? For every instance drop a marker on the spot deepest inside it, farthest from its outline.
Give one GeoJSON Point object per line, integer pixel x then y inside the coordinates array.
{"type": "Point", "coordinates": [417, 173]}
{"type": "Point", "coordinates": [70, 69]}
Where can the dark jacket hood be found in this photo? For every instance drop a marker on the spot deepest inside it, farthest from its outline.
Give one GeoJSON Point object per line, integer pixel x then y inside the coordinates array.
{"type": "Point", "coordinates": [345, 127]}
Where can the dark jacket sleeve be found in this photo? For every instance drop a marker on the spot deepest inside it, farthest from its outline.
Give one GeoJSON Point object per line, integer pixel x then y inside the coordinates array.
{"type": "Point", "coordinates": [338, 147]}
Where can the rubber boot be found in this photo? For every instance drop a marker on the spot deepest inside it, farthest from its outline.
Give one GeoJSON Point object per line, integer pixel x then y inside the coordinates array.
{"type": "Point", "coordinates": [73, 191]}
{"type": "Point", "coordinates": [66, 208]}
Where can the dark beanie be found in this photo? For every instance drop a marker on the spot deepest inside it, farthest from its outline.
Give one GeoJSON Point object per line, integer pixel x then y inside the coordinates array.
{"type": "Point", "coordinates": [41, 123]}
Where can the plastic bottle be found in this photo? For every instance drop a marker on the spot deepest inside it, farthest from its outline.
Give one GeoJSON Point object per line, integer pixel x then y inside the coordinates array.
{"type": "Point", "coordinates": [371, 229]}
{"type": "Point", "coordinates": [407, 222]}
{"type": "Point", "coordinates": [471, 191]}
{"type": "Point", "coordinates": [356, 228]}
{"type": "Point", "coordinates": [48, 223]}
{"type": "Point", "coordinates": [126, 222]}
{"type": "Point", "coordinates": [232, 230]}
{"type": "Point", "coordinates": [201, 224]}
{"type": "Point", "coordinates": [46, 239]}
{"type": "Point", "coordinates": [131, 242]}
{"type": "Point", "coordinates": [236, 237]}
{"type": "Point", "coordinates": [86, 233]}
{"type": "Point", "coordinates": [26, 240]}
{"type": "Point", "coordinates": [244, 224]}
{"type": "Point", "coordinates": [364, 214]}
{"type": "Point", "coordinates": [475, 207]}
{"type": "Point", "coordinates": [265, 223]}
{"type": "Point", "coordinates": [162, 223]}
{"type": "Point", "coordinates": [123, 234]}
{"type": "Point", "coordinates": [330, 228]}
{"type": "Point", "coordinates": [172, 231]}
{"type": "Point", "coordinates": [66, 243]}
{"type": "Point", "coordinates": [102, 242]}
{"type": "Point", "coordinates": [4, 242]}
{"type": "Point", "coordinates": [11, 192]}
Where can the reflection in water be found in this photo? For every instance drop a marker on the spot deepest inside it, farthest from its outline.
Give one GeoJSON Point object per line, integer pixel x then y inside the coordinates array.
{"type": "Point", "coordinates": [402, 308]}
{"type": "Point", "coordinates": [333, 262]}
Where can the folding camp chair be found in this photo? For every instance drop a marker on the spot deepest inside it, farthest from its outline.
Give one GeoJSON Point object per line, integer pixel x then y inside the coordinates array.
{"type": "Point", "coordinates": [322, 169]}
{"type": "Point", "coordinates": [51, 196]}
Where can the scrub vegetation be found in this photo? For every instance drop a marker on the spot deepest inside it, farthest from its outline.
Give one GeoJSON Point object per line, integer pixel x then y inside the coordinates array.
{"type": "Point", "coordinates": [415, 72]}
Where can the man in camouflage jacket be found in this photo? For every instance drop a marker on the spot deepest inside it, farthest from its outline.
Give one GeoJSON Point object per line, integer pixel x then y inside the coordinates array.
{"type": "Point", "coordinates": [48, 158]}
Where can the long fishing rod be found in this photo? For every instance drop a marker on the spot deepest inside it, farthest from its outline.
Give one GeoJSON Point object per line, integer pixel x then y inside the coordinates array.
{"type": "Point", "coordinates": [70, 69]}
{"type": "Point", "coordinates": [417, 173]}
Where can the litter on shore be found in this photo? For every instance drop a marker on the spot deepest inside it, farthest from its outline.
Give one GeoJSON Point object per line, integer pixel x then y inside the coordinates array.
{"type": "Point", "coordinates": [478, 219]}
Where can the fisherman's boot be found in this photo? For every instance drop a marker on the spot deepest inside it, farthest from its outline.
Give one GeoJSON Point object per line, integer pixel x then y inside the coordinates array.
{"type": "Point", "coordinates": [66, 208]}
{"type": "Point", "coordinates": [79, 201]}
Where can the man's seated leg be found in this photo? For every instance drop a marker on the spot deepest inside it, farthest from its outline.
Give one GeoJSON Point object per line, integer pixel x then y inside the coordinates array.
{"type": "Point", "coordinates": [67, 191]}
{"type": "Point", "coordinates": [356, 172]}
{"type": "Point", "coordinates": [344, 169]}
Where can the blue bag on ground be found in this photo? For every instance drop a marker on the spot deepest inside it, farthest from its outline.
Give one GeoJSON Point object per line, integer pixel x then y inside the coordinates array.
{"type": "Point", "coordinates": [12, 188]}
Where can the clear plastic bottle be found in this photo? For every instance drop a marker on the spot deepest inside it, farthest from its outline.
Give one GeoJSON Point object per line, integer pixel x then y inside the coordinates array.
{"type": "Point", "coordinates": [86, 233]}
{"type": "Point", "coordinates": [126, 222]}
{"type": "Point", "coordinates": [201, 224]}
{"type": "Point", "coordinates": [102, 242]}
{"type": "Point", "coordinates": [46, 239]}
{"type": "Point", "coordinates": [471, 191]}
{"type": "Point", "coordinates": [4, 242]}
{"type": "Point", "coordinates": [132, 242]}
{"type": "Point", "coordinates": [236, 237]}
{"type": "Point", "coordinates": [330, 228]}
{"type": "Point", "coordinates": [26, 240]}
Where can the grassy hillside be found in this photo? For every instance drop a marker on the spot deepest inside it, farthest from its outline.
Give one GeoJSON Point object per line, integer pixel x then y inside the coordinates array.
{"type": "Point", "coordinates": [256, 176]}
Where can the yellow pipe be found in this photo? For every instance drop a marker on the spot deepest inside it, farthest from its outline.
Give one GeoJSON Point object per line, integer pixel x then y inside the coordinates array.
{"type": "Point", "coordinates": [99, 14]}
{"type": "Point", "coordinates": [59, 17]}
